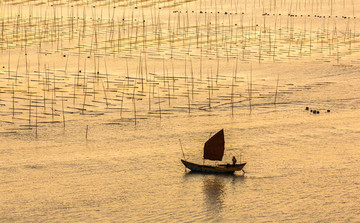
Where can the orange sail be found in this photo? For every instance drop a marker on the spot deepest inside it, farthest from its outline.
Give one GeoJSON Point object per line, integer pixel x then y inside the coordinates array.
{"type": "Point", "coordinates": [215, 146]}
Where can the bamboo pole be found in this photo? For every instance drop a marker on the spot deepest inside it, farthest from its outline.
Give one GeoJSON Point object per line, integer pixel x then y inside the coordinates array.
{"type": "Point", "coordinates": [62, 103]}
{"type": "Point", "coordinates": [276, 91]}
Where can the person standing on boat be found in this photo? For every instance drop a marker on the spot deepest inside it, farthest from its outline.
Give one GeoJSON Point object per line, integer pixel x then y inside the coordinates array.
{"type": "Point", "coordinates": [234, 160]}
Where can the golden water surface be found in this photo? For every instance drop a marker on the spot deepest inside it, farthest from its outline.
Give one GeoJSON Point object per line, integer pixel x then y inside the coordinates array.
{"type": "Point", "coordinates": [97, 98]}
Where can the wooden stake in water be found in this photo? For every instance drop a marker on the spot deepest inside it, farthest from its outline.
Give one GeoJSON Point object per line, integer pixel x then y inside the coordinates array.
{"type": "Point", "coordinates": [62, 102]}
{"type": "Point", "coordinates": [250, 90]}
{"type": "Point", "coordinates": [52, 105]}
{"type": "Point", "coordinates": [209, 88]}
{"type": "Point", "coordinates": [29, 110]}
{"type": "Point", "coordinates": [182, 149]}
{"type": "Point", "coordinates": [277, 85]}
{"type": "Point", "coordinates": [9, 66]}
{"type": "Point", "coordinates": [159, 103]}
{"type": "Point", "coordinates": [13, 100]}
{"type": "Point", "coordinates": [134, 109]}
{"type": "Point", "coordinates": [188, 97]}
{"type": "Point", "coordinates": [122, 99]}
{"type": "Point", "coordinates": [87, 129]}
{"type": "Point", "coordinates": [232, 95]}
{"type": "Point", "coordinates": [149, 86]}
{"type": "Point", "coordinates": [106, 99]}
{"type": "Point", "coordinates": [36, 124]}
{"type": "Point", "coordinates": [83, 108]}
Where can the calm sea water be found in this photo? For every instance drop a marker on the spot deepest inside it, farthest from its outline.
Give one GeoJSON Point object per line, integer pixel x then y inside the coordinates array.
{"type": "Point", "coordinates": [300, 167]}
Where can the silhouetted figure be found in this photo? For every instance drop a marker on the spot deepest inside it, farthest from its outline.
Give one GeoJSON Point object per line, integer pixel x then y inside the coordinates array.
{"type": "Point", "coordinates": [234, 160]}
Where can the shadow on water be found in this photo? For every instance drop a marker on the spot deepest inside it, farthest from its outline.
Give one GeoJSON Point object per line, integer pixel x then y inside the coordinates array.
{"type": "Point", "coordinates": [214, 189]}
{"type": "Point", "coordinates": [214, 194]}
{"type": "Point", "coordinates": [191, 174]}
{"type": "Point", "coordinates": [224, 178]}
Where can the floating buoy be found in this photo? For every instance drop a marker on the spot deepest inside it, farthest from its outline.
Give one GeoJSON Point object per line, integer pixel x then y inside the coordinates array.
{"type": "Point", "coordinates": [307, 108]}
{"type": "Point", "coordinates": [328, 110]}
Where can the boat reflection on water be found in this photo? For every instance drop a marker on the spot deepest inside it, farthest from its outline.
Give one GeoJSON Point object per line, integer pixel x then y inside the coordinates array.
{"type": "Point", "coordinates": [213, 190]}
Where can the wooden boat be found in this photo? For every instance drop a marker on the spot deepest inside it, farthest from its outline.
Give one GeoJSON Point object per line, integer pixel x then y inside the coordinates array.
{"type": "Point", "coordinates": [214, 150]}
{"type": "Point", "coordinates": [223, 168]}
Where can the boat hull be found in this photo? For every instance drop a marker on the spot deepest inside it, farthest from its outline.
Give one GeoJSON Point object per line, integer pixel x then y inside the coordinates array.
{"type": "Point", "coordinates": [223, 169]}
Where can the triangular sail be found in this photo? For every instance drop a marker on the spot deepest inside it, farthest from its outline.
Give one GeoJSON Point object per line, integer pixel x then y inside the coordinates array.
{"type": "Point", "coordinates": [215, 146]}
